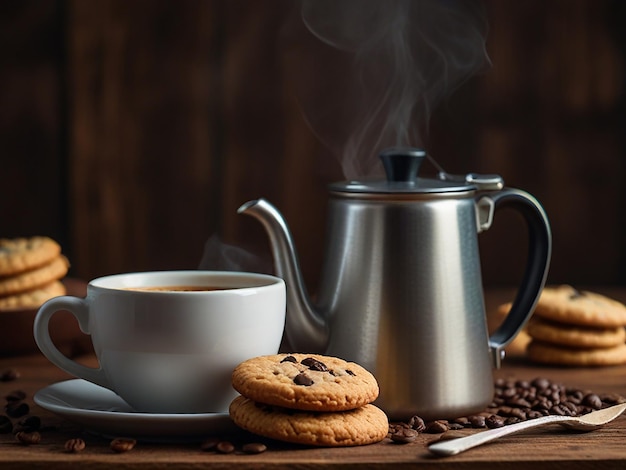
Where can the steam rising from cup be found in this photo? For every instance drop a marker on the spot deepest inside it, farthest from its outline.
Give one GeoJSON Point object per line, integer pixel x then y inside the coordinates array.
{"type": "Point", "coordinates": [380, 67]}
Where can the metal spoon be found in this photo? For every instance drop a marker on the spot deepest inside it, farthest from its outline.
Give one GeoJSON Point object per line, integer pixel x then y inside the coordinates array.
{"type": "Point", "coordinates": [588, 422]}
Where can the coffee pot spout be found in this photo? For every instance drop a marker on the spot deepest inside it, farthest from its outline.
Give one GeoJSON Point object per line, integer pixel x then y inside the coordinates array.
{"type": "Point", "coordinates": [305, 329]}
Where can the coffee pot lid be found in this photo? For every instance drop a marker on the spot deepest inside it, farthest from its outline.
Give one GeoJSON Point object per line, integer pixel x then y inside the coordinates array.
{"type": "Point", "coordinates": [402, 165]}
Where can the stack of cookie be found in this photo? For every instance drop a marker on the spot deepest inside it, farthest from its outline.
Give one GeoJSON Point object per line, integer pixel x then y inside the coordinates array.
{"type": "Point", "coordinates": [31, 270]}
{"type": "Point", "coordinates": [308, 399]}
{"type": "Point", "coordinates": [573, 328]}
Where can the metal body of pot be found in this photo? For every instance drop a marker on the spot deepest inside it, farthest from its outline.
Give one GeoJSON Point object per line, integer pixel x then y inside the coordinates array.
{"type": "Point", "coordinates": [401, 290]}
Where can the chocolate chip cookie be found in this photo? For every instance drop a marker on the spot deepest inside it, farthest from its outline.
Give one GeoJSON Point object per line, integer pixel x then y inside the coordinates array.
{"type": "Point", "coordinates": [364, 425]}
{"type": "Point", "coordinates": [565, 304]}
{"type": "Point", "coordinates": [21, 254]}
{"type": "Point", "coordinates": [574, 336]}
{"type": "Point", "coordinates": [307, 382]}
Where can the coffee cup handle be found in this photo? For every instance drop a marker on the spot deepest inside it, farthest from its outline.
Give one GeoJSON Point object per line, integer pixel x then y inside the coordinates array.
{"type": "Point", "coordinates": [80, 309]}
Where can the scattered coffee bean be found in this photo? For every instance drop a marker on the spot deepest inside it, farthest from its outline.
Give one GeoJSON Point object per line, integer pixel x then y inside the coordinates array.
{"type": "Point", "coordinates": [463, 421]}
{"type": "Point", "coordinates": [477, 421]}
{"type": "Point", "coordinates": [209, 444]}
{"type": "Point", "coordinates": [28, 438]}
{"type": "Point", "coordinates": [254, 448]}
{"type": "Point", "coordinates": [540, 383]}
{"type": "Point", "coordinates": [30, 423]}
{"type": "Point", "coordinates": [494, 421]}
{"type": "Point", "coordinates": [15, 409]}
{"type": "Point", "coordinates": [120, 445]}
{"type": "Point", "coordinates": [516, 401]}
{"type": "Point", "coordinates": [404, 435]}
{"type": "Point", "coordinates": [6, 426]}
{"type": "Point", "coordinates": [611, 398]}
{"type": "Point", "coordinates": [289, 359]}
{"type": "Point", "coordinates": [15, 395]}
{"type": "Point", "coordinates": [9, 375]}
{"type": "Point", "coordinates": [74, 445]}
{"type": "Point", "coordinates": [455, 426]}
{"type": "Point", "coordinates": [592, 400]}
{"type": "Point", "coordinates": [225, 447]}
{"type": "Point", "coordinates": [417, 423]}
{"type": "Point", "coordinates": [436, 427]}
{"type": "Point", "coordinates": [303, 379]}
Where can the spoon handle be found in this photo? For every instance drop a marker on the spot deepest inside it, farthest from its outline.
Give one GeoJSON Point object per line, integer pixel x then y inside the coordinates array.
{"type": "Point", "coordinates": [455, 446]}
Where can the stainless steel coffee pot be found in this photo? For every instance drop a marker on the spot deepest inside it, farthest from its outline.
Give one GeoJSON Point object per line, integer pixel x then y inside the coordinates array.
{"type": "Point", "coordinates": [401, 290]}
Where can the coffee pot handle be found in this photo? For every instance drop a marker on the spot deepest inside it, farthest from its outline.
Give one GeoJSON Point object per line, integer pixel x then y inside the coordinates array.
{"type": "Point", "coordinates": [537, 264]}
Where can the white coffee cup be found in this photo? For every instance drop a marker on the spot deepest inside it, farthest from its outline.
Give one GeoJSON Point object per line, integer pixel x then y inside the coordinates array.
{"type": "Point", "coordinates": [167, 350]}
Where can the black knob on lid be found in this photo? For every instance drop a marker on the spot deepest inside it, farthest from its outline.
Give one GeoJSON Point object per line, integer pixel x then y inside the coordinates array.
{"type": "Point", "coordinates": [402, 163]}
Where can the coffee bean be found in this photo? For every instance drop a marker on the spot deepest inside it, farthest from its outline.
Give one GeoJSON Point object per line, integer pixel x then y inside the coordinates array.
{"type": "Point", "coordinates": [210, 444]}
{"type": "Point", "coordinates": [520, 400]}
{"type": "Point", "coordinates": [540, 383]}
{"type": "Point", "coordinates": [557, 410]}
{"type": "Point", "coordinates": [463, 421]}
{"type": "Point", "coordinates": [30, 423]}
{"type": "Point", "coordinates": [417, 423]}
{"type": "Point", "coordinates": [508, 393]}
{"type": "Point", "coordinates": [494, 421]}
{"type": "Point", "coordinates": [519, 403]}
{"type": "Point", "coordinates": [612, 399]}
{"type": "Point", "coordinates": [28, 438]}
{"type": "Point", "coordinates": [303, 379]}
{"type": "Point", "coordinates": [8, 375]}
{"type": "Point", "coordinates": [6, 426]}
{"type": "Point", "coordinates": [254, 448]}
{"type": "Point", "coordinates": [455, 426]}
{"type": "Point", "coordinates": [74, 445]}
{"type": "Point", "coordinates": [570, 406]}
{"type": "Point", "coordinates": [15, 395]}
{"type": "Point", "coordinates": [436, 427]}
{"type": "Point", "coordinates": [121, 445]}
{"type": "Point", "coordinates": [404, 435]}
{"type": "Point", "coordinates": [576, 396]}
{"type": "Point", "coordinates": [225, 447]}
{"type": "Point", "coordinates": [477, 421]}
{"type": "Point", "coordinates": [592, 400]}
{"type": "Point", "coordinates": [16, 409]}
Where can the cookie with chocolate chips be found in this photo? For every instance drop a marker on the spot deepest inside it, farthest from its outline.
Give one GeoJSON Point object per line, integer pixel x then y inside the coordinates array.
{"type": "Point", "coordinates": [365, 425]}
{"type": "Point", "coordinates": [564, 304]}
{"type": "Point", "coordinates": [307, 382]}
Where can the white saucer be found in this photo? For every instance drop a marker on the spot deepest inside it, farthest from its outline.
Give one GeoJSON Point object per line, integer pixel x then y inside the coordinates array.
{"type": "Point", "coordinates": [100, 411]}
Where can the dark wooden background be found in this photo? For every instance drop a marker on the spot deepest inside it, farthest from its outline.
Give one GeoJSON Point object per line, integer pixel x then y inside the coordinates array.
{"type": "Point", "coordinates": [132, 130]}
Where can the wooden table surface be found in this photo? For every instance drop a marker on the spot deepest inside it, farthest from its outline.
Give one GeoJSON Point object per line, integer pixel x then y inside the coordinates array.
{"type": "Point", "coordinates": [551, 447]}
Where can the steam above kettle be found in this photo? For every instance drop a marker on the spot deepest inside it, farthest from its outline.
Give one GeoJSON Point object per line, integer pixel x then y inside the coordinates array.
{"type": "Point", "coordinates": [401, 288]}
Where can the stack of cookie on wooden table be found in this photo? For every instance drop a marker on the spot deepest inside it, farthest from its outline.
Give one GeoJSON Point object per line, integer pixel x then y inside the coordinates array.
{"type": "Point", "coordinates": [308, 399]}
{"type": "Point", "coordinates": [31, 270]}
{"type": "Point", "coordinates": [577, 328]}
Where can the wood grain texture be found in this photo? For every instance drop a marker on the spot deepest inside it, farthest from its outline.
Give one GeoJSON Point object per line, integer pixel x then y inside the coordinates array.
{"type": "Point", "coordinates": [545, 448]}
{"type": "Point", "coordinates": [132, 131]}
